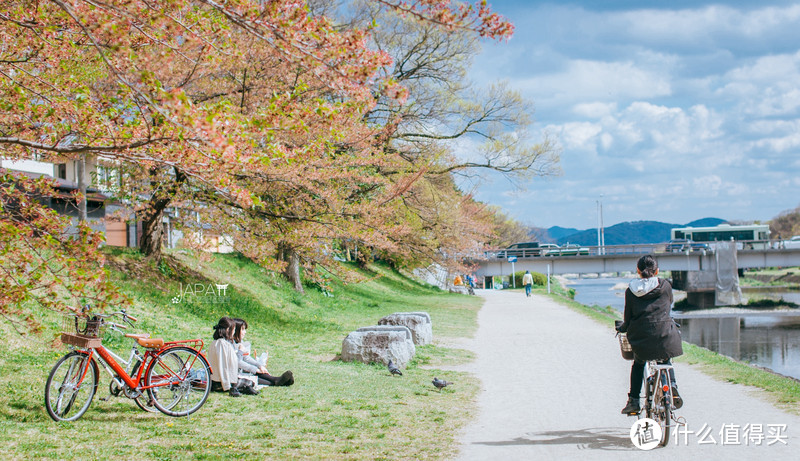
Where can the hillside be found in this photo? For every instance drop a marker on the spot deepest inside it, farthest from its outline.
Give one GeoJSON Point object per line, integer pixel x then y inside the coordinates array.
{"type": "Point", "coordinates": [556, 232]}
{"type": "Point", "coordinates": [334, 410]}
{"type": "Point", "coordinates": [632, 232]}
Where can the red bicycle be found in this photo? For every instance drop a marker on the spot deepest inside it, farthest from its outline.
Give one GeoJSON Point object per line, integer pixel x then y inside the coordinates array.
{"type": "Point", "coordinates": [172, 377]}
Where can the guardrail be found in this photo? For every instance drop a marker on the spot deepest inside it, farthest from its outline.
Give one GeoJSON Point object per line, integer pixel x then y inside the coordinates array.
{"type": "Point", "coordinates": [640, 248]}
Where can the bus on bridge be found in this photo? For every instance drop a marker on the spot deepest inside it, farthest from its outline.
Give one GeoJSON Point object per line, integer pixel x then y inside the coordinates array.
{"type": "Point", "coordinates": [756, 235]}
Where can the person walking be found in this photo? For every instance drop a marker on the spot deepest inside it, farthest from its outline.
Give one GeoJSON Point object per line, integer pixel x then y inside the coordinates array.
{"type": "Point", "coordinates": [527, 280]}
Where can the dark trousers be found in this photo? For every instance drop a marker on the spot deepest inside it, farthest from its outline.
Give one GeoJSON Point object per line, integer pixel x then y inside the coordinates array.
{"type": "Point", "coordinates": [267, 380]}
{"type": "Point", "coordinates": [216, 386]}
{"type": "Point", "coordinates": [637, 376]}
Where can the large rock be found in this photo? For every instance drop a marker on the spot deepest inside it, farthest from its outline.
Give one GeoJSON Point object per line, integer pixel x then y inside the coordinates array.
{"type": "Point", "coordinates": [379, 343]}
{"type": "Point", "coordinates": [418, 322]}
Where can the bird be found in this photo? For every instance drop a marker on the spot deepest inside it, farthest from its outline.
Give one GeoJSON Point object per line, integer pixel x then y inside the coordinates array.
{"type": "Point", "coordinates": [393, 369]}
{"type": "Point", "coordinates": [440, 383]}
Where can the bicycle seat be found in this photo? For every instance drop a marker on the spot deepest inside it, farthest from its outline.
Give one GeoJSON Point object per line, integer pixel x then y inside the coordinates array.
{"type": "Point", "coordinates": [137, 335]}
{"type": "Point", "coordinates": [150, 343]}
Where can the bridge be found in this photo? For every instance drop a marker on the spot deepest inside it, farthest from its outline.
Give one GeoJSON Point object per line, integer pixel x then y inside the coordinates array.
{"type": "Point", "coordinates": [622, 258]}
{"type": "Point", "coordinates": [692, 271]}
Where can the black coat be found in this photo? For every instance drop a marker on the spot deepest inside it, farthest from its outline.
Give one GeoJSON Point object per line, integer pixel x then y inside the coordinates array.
{"type": "Point", "coordinates": [652, 333]}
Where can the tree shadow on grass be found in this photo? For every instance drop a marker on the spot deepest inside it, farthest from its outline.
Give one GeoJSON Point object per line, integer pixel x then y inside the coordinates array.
{"type": "Point", "coordinates": [603, 438]}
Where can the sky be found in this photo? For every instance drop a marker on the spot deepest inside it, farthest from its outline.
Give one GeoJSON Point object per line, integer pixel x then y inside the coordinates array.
{"type": "Point", "coordinates": [663, 110]}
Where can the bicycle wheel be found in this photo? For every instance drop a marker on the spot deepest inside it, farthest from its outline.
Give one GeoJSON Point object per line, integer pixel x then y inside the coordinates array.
{"type": "Point", "coordinates": [662, 407]}
{"type": "Point", "coordinates": [178, 381]}
{"type": "Point", "coordinates": [71, 386]}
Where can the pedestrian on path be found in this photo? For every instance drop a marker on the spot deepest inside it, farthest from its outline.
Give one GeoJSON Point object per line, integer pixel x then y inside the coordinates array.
{"type": "Point", "coordinates": [651, 331]}
{"type": "Point", "coordinates": [527, 280]}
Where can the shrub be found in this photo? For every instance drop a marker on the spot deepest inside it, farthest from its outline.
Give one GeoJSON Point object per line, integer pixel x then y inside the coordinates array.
{"type": "Point", "coordinates": [538, 278]}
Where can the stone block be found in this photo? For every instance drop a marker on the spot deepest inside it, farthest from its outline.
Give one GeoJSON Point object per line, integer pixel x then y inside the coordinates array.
{"type": "Point", "coordinates": [379, 344]}
{"type": "Point", "coordinates": [418, 322]}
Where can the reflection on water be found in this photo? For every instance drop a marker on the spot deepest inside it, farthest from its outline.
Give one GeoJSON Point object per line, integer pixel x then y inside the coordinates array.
{"type": "Point", "coordinates": [600, 291]}
{"type": "Point", "coordinates": [768, 340]}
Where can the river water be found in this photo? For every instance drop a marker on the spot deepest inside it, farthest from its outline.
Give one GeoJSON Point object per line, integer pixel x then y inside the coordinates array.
{"type": "Point", "coordinates": [766, 339]}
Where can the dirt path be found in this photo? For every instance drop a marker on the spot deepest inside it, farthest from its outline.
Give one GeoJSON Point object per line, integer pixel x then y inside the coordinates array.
{"type": "Point", "coordinates": [554, 383]}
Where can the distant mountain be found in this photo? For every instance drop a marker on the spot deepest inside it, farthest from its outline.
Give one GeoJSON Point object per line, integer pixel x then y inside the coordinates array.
{"type": "Point", "coordinates": [557, 232]}
{"type": "Point", "coordinates": [706, 222]}
{"type": "Point", "coordinates": [631, 232]}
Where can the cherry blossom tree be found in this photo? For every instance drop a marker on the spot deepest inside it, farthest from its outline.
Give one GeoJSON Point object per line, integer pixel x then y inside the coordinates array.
{"type": "Point", "coordinates": [251, 112]}
{"type": "Point", "coordinates": [44, 258]}
{"type": "Point", "coordinates": [447, 127]}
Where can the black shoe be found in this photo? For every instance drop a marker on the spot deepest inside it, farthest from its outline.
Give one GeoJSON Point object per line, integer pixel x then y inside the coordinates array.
{"type": "Point", "coordinates": [234, 392]}
{"type": "Point", "coordinates": [632, 408]}
{"type": "Point", "coordinates": [286, 379]}
{"type": "Point", "coordinates": [248, 390]}
{"type": "Point", "coordinates": [677, 401]}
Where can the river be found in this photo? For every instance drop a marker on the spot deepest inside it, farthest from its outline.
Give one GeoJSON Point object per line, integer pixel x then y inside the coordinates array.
{"type": "Point", "coordinates": [766, 339]}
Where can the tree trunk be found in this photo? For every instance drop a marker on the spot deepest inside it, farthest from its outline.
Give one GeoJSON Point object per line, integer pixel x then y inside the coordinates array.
{"type": "Point", "coordinates": [152, 229]}
{"type": "Point", "coordinates": [292, 270]}
{"type": "Point", "coordinates": [364, 257]}
{"type": "Point", "coordinates": [152, 225]}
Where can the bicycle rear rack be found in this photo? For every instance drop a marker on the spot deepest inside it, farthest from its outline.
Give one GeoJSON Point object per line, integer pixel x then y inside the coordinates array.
{"type": "Point", "coordinates": [193, 343]}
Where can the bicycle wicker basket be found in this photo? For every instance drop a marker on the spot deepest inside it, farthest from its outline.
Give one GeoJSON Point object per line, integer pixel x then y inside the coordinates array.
{"type": "Point", "coordinates": [81, 331]}
{"type": "Point", "coordinates": [625, 347]}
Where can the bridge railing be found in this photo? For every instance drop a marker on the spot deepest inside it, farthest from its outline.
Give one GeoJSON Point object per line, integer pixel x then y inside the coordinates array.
{"type": "Point", "coordinates": [639, 248]}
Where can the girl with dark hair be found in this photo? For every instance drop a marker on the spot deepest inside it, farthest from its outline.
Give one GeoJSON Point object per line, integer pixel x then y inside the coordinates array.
{"type": "Point", "coordinates": [249, 367]}
{"type": "Point", "coordinates": [222, 359]}
{"type": "Point", "coordinates": [651, 331]}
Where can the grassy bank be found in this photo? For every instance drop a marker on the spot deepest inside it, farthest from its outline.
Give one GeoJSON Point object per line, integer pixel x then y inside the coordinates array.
{"type": "Point", "coordinates": [785, 391]}
{"type": "Point", "coordinates": [335, 410]}
{"type": "Point", "coordinates": [788, 277]}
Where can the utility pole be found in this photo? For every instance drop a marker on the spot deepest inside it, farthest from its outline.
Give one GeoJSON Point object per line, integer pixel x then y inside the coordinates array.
{"type": "Point", "coordinates": [81, 173]}
{"type": "Point", "coordinates": [601, 236]}
{"type": "Point", "coordinates": [602, 230]}
{"type": "Point", "coordinates": [598, 225]}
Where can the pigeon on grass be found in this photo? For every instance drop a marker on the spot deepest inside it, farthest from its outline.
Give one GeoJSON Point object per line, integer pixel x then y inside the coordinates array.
{"type": "Point", "coordinates": [393, 368]}
{"type": "Point", "coordinates": [440, 383]}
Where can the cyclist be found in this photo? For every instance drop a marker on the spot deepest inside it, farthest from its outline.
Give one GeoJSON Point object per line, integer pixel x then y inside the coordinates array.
{"type": "Point", "coordinates": [651, 331]}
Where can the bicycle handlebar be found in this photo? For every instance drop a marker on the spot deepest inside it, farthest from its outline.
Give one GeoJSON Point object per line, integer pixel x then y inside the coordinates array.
{"type": "Point", "coordinates": [116, 326]}
{"type": "Point", "coordinates": [125, 317]}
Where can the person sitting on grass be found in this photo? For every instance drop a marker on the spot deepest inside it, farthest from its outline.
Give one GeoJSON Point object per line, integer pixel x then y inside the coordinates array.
{"type": "Point", "coordinates": [222, 359]}
{"type": "Point", "coordinates": [250, 367]}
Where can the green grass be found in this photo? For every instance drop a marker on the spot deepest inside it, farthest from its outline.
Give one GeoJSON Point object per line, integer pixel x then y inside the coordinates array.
{"type": "Point", "coordinates": [751, 282]}
{"type": "Point", "coordinates": [771, 277]}
{"type": "Point", "coordinates": [785, 391]}
{"type": "Point", "coordinates": [335, 410]}
{"type": "Point", "coordinates": [774, 271]}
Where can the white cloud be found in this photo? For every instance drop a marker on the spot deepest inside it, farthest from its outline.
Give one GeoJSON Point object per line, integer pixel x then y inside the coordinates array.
{"type": "Point", "coordinates": [704, 27]}
{"type": "Point", "coordinates": [709, 185]}
{"type": "Point", "coordinates": [692, 112]}
{"type": "Point", "coordinates": [580, 135]}
{"type": "Point", "coordinates": [780, 144]}
{"type": "Point", "coordinates": [595, 109]}
{"type": "Point", "coordinates": [605, 81]}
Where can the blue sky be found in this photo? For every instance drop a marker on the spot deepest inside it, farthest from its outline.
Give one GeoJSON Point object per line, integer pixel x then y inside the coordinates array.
{"type": "Point", "coordinates": [672, 110]}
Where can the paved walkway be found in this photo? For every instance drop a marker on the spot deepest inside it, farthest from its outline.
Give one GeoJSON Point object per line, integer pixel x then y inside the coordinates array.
{"type": "Point", "coordinates": [554, 383]}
